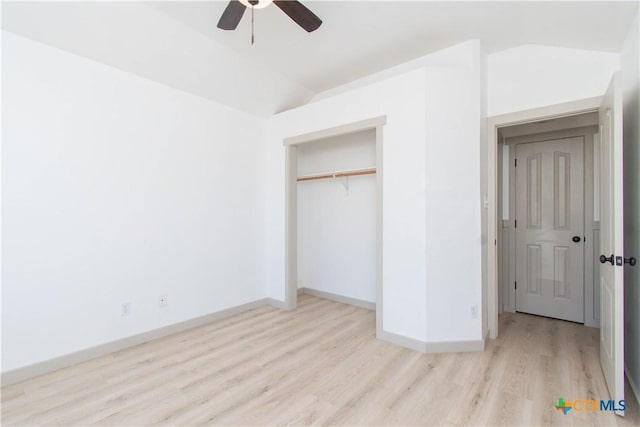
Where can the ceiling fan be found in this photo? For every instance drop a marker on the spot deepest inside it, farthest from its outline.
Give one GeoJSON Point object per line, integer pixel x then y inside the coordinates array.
{"type": "Point", "coordinates": [294, 9]}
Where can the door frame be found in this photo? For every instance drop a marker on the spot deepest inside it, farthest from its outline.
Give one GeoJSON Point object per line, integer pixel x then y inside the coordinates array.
{"type": "Point", "coordinates": [291, 206]}
{"type": "Point", "coordinates": [555, 111]}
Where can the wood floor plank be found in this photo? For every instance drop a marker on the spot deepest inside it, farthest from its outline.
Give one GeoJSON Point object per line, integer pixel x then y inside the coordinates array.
{"type": "Point", "coordinates": [321, 365]}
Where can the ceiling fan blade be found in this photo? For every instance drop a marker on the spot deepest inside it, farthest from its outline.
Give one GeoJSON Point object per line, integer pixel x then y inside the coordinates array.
{"type": "Point", "coordinates": [300, 14]}
{"type": "Point", "coordinates": [231, 16]}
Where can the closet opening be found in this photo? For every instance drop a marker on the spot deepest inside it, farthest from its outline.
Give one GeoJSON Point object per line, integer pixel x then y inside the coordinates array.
{"type": "Point", "coordinates": [334, 215]}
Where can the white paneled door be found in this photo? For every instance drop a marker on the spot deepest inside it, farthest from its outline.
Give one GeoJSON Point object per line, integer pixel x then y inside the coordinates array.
{"type": "Point", "coordinates": [611, 243]}
{"type": "Point", "coordinates": [550, 228]}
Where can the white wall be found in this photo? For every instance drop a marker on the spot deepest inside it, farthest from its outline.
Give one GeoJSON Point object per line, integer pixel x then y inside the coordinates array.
{"type": "Point", "coordinates": [630, 60]}
{"type": "Point", "coordinates": [431, 191]}
{"type": "Point", "coordinates": [117, 189]}
{"type": "Point", "coordinates": [337, 225]}
{"type": "Point", "coordinates": [483, 77]}
{"type": "Point", "coordinates": [453, 200]}
{"type": "Point", "coordinates": [533, 76]}
{"type": "Point", "coordinates": [345, 152]}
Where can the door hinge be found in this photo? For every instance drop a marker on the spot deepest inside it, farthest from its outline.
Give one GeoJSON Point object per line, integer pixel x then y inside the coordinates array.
{"type": "Point", "coordinates": [516, 163]}
{"type": "Point", "coordinates": [515, 224]}
{"type": "Point", "coordinates": [515, 284]}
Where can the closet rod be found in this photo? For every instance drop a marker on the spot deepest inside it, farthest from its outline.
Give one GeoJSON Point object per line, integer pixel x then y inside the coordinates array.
{"type": "Point", "coordinates": [339, 174]}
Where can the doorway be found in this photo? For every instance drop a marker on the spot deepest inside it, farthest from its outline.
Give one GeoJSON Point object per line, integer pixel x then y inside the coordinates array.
{"type": "Point", "coordinates": [494, 222]}
{"type": "Point", "coordinates": [549, 228]}
{"type": "Point", "coordinates": [610, 109]}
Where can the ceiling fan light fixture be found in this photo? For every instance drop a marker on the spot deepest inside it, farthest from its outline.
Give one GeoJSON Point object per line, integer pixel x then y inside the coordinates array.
{"type": "Point", "coordinates": [292, 8]}
{"type": "Point", "coordinates": [256, 4]}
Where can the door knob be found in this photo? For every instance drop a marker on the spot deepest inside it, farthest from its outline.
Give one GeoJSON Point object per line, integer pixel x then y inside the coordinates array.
{"type": "Point", "coordinates": [576, 239]}
{"type": "Point", "coordinates": [631, 261]}
{"type": "Point", "coordinates": [604, 259]}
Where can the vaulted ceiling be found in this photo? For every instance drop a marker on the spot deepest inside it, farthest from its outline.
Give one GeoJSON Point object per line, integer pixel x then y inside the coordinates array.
{"type": "Point", "coordinates": [178, 44]}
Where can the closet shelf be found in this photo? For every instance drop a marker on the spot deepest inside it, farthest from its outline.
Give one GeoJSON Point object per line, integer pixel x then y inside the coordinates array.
{"type": "Point", "coordinates": [338, 174]}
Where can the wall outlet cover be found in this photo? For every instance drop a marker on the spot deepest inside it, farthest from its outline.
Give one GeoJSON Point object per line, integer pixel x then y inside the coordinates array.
{"type": "Point", "coordinates": [125, 310]}
{"type": "Point", "coordinates": [163, 300]}
{"type": "Point", "coordinates": [474, 312]}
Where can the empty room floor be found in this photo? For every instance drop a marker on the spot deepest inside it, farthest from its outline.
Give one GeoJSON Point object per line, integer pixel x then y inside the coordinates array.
{"type": "Point", "coordinates": [321, 364]}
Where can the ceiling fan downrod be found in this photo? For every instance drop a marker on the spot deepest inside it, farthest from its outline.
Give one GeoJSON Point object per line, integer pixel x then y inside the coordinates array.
{"type": "Point", "coordinates": [253, 3]}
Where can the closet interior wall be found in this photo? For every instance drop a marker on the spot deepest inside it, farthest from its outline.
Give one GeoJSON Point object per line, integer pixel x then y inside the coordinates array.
{"type": "Point", "coordinates": [337, 216]}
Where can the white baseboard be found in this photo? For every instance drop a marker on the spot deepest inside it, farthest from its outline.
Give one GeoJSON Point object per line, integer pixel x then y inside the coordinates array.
{"type": "Point", "coordinates": [433, 346]}
{"type": "Point", "coordinates": [277, 303]}
{"type": "Point", "coordinates": [41, 368]}
{"type": "Point", "coordinates": [634, 386]}
{"type": "Point", "coordinates": [455, 346]}
{"type": "Point", "coordinates": [402, 341]}
{"type": "Point", "coordinates": [591, 323]}
{"type": "Point", "coordinates": [338, 298]}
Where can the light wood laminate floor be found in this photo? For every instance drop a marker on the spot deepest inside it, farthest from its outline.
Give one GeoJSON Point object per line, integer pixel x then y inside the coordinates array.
{"type": "Point", "coordinates": [321, 365]}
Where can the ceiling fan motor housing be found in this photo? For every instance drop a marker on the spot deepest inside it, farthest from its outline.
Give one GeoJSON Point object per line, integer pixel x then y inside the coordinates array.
{"type": "Point", "coordinates": [256, 4]}
{"type": "Point", "coordinates": [292, 8]}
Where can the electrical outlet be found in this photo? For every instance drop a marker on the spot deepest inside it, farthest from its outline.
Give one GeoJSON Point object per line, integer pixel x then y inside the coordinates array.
{"type": "Point", "coordinates": [125, 310]}
{"type": "Point", "coordinates": [163, 301]}
{"type": "Point", "coordinates": [474, 311]}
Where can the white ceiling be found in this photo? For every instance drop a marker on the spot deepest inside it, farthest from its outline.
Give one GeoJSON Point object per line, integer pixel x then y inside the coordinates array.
{"type": "Point", "coordinates": [178, 44]}
{"type": "Point", "coordinates": [361, 37]}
